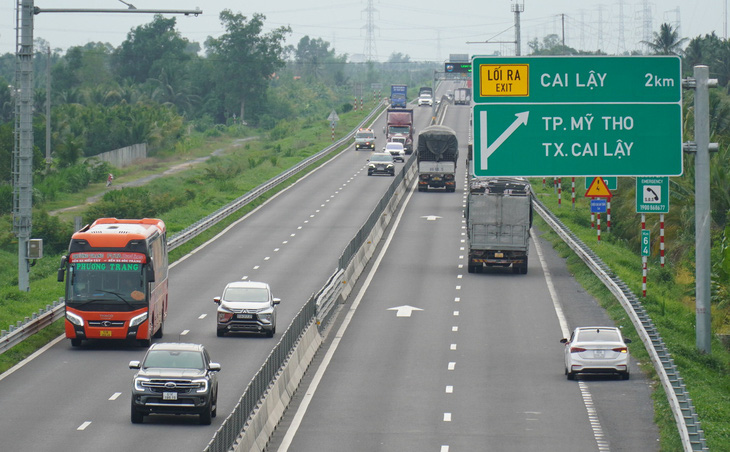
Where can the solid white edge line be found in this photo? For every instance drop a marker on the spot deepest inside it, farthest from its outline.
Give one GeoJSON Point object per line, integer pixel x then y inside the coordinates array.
{"type": "Point", "coordinates": [30, 358]}
{"type": "Point", "coordinates": [551, 288]}
{"type": "Point", "coordinates": [306, 400]}
{"type": "Point", "coordinates": [585, 392]}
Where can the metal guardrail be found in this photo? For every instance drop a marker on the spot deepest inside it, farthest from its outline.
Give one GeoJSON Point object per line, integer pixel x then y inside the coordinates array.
{"type": "Point", "coordinates": [202, 225]}
{"type": "Point", "coordinates": [685, 416]}
{"type": "Point", "coordinates": [326, 298]}
{"type": "Point", "coordinates": [232, 426]}
{"type": "Point", "coordinates": [31, 325]}
{"type": "Point", "coordinates": [318, 308]}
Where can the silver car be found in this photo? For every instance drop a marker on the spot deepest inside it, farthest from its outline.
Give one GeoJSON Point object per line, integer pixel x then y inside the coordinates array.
{"type": "Point", "coordinates": [246, 307]}
{"type": "Point", "coordinates": [596, 349]}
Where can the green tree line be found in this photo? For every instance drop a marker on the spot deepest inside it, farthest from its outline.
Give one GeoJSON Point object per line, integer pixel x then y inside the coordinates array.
{"type": "Point", "coordinates": [157, 87]}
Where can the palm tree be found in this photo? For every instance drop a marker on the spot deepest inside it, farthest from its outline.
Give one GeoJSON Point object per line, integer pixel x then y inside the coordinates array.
{"type": "Point", "coordinates": [666, 42]}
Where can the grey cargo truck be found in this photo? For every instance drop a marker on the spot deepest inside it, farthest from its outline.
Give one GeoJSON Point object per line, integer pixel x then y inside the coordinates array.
{"type": "Point", "coordinates": [498, 217]}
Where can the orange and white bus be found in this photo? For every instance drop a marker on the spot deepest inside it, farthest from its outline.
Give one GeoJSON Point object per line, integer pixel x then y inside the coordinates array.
{"type": "Point", "coordinates": [116, 281]}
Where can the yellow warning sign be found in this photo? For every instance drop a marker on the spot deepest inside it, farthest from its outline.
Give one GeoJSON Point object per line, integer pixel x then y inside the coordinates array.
{"type": "Point", "coordinates": [504, 80]}
{"type": "Point", "coordinates": [598, 189]}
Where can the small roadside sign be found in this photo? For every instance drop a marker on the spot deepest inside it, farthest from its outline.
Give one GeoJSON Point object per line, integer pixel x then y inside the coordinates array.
{"type": "Point", "coordinates": [598, 189]}
{"type": "Point", "coordinates": [333, 118]}
{"type": "Point", "coordinates": [652, 195]}
{"type": "Point", "coordinates": [599, 205]}
{"type": "Point", "coordinates": [645, 242]}
{"type": "Point", "coordinates": [611, 182]}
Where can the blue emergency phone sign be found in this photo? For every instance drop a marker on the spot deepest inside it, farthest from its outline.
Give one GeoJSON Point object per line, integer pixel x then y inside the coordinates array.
{"type": "Point", "coordinates": [599, 205]}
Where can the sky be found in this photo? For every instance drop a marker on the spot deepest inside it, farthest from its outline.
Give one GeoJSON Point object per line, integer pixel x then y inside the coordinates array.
{"type": "Point", "coordinates": [424, 30]}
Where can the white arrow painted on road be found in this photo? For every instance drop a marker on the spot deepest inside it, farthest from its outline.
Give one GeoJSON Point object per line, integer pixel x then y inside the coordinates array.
{"type": "Point", "coordinates": [431, 217]}
{"type": "Point", "coordinates": [488, 150]}
{"type": "Point", "coordinates": [404, 311]}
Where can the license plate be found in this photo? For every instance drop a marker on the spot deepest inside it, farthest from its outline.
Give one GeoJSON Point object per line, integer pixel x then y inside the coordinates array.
{"type": "Point", "coordinates": [169, 396]}
{"type": "Point", "coordinates": [498, 254]}
{"type": "Point", "coordinates": [105, 333]}
{"type": "Point", "coordinates": [598, 353]}
{"type": "Point", "coordinates": [244, 316]}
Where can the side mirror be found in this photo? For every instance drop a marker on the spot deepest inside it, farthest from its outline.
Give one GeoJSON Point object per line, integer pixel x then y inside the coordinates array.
{"type": "Point", "coordinates": [134, 364]}
{"type": "Point", "coordinates": [277, 300]}
{"type": "Point", "coordinates": [627, 341]}
{"type": "Point", "coordinates": [217, 300]}
{"type": "Point", "coordinates": [214, 367]}
{"type": "Point", "coordinates": [150, 273]}
{"type": "Point", "coordinates": [563, 341]}
{"type": "Point", "coordinates": [62, 268]}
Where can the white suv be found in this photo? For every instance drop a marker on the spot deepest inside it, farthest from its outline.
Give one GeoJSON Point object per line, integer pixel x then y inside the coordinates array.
{"type": "Point", "coordinates": [246, 307]}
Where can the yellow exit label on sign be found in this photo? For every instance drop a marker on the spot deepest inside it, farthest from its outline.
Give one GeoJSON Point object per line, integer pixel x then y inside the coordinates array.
{"type": "Point", "coordinates": [504, 80]}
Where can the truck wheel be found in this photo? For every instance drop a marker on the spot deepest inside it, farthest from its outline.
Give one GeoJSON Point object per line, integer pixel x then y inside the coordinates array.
{"type": "Point", "coordinates": [75, 342]}
{"type": "Point", "coordinates": [523, 267]}
{"type": "Point", "coordinates": [471, 268]}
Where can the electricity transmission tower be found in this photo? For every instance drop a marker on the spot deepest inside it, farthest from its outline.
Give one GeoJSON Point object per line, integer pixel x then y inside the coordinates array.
{"type": "Point", "coordinates": [370, 51]}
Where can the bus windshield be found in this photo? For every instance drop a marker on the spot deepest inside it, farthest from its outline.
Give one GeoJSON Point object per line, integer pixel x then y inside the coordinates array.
{"type": "Point", "coordinates": [106, 286]}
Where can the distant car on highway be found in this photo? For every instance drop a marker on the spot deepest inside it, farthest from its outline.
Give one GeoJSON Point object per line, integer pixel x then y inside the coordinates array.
{"type": "Point", "coordinates": [597, 350]}
{"type": "Point", "coordinates": [396, 150]}
{"type": "Point", "coordinates": [246, 307]}
{"type": "Point", "coordinates": [425, 99]}
{"type": "Point", "coordinates": [381, 163]}
{"type": "Point", "coordinates": [365, 139]}
{"type": "Point", "coordinates": [175, 378]}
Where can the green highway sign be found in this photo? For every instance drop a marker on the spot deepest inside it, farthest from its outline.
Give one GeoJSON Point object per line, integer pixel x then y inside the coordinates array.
{"type": "Point", "coordinates": [652, 195]}
{"type": "Point", "coordinates": [566, 79]}
{"type": "Point", "coordinates": [577, 140]}
{"type": "Point", "coordinates": [577, 116]}
{"type": "Point", "coordinates": [645, 242]}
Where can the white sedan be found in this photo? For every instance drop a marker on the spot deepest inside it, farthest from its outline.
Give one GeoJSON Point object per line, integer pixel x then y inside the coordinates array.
{"type": "Point", "coordinates": [598, 350]}
{"type": "Point", "coordinates": [425, 99]}
{"type": "Point", "coordinates": [396, 150]}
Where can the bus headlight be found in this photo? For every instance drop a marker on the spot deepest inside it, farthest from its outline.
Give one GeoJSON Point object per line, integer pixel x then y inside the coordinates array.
{"type": "Point", "coordinates": [75, 319]}
{"type": "Point", "coordinates": [138, 319]}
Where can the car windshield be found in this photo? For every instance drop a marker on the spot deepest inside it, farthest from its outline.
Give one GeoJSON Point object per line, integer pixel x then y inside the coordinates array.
{"type": "Point", "coordinates": [365, 135]}
{"type": "Point", "coordinates": [255, 294]}
{"type": "Point", "coordinates": [381, 158]}
{"type": "Point", "coordinates": [394, 146]}
{"type": "Point", "coordinates": [598, 335]}
{"type": "Point", "coordinates": [174, 359]}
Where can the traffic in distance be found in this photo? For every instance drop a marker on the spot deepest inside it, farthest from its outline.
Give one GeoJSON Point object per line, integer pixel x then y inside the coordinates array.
{"type": "Point", "coordinates": [115, 277]}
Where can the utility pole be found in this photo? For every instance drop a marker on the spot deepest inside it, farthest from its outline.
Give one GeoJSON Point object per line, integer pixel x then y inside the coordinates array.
{"type": "Point", "coordinates": [517, 8]}
{"type": "Point", "coordinates": [701, 147]}
{"type": "Point", "coordinates": [48, 110]}
{"type": "Point", "coordinates": [22, 166]}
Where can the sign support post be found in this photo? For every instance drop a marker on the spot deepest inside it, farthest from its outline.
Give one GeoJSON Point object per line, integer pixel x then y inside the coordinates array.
{"type": "Point", "coordinates": [701, 84]}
